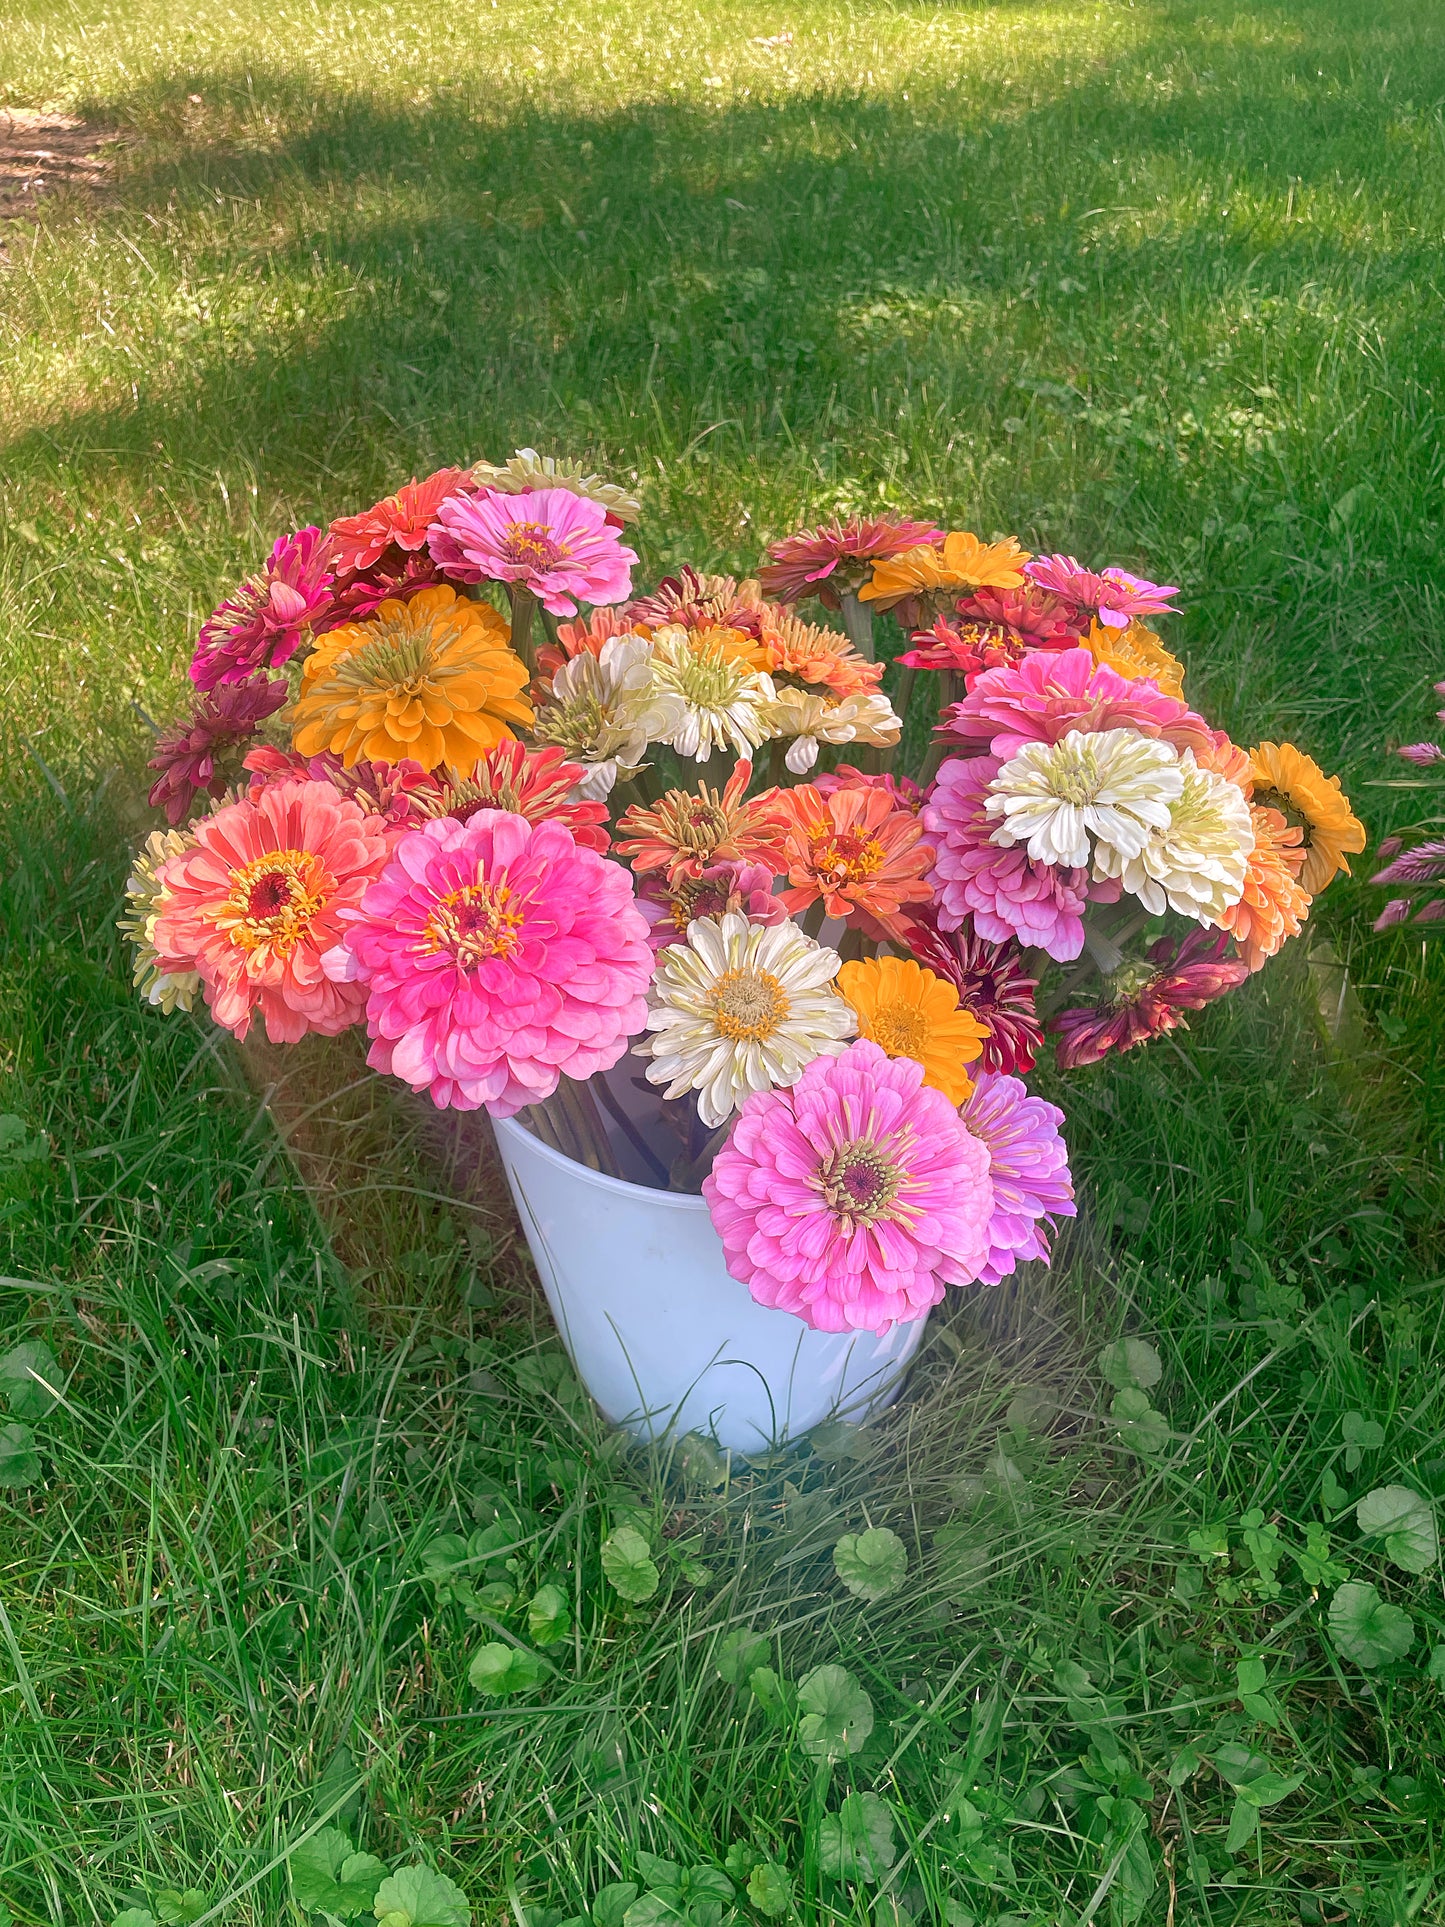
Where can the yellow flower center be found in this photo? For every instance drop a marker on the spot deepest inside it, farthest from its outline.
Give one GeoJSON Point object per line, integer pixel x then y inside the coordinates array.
{"type": "Point", "coordinates": [842, 857]}
{"type": "Point", "coordinates": [900, 1029]}
{"type": "Point", "coordinates": [748, 1005]}
{"type": "Point", "coordinates": [476, 923]}
{"type": "Point", "coordinates": [274, 899]}
{"type": "Point", "coordinates": [859, 1183]}
{"type": "Point", "coordinates": [398, 659]}
{"type": "Point", "coordinates": [532, 545]}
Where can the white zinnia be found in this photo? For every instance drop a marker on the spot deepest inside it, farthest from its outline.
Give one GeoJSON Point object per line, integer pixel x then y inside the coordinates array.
{"type": "Point", "coordinates": [1196, 864]}
{"type": "Point", "coordinates": [723, 699]}
{"type": "Point", "coordinates": [168, 990]}
{"type": "Point", "coordinates": [1112, 784]}
{"type": "Point", "coordinates": [741, 1007]}
{"type": "Point", "coordinates": [811, 717]}
{"type": "Point", "coordinates": [605, 709]}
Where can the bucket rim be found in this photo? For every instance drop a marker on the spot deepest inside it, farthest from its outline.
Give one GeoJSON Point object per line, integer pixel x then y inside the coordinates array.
{"type": "Point", "coordinates": [687, 1201]}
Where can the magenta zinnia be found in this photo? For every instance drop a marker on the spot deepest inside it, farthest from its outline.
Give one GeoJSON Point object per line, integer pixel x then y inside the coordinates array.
{"type": "Point", "coordinates": [855, 1198]}
{"type": "Point", "coordinates": [837, 556]}
{"type": "Point", "coordinates": [558, 546]}
{"type": "Point", "coordinates": [497, 957]}
{"type": "Point", "coordinates": [993, 987]}
{"type": "Point", "coordinates": [268, 618]}
{"type": "Point", "coordinates": [1113, 595]}
{"type": "Point", "coordinates": [190, 755]}
{"type": "Point", "coordinates": [1029, 1166]}
{"type": "Point", "coordinates": [1145, 999]}
{"type": "Point", "coordinates": [1044, 696]}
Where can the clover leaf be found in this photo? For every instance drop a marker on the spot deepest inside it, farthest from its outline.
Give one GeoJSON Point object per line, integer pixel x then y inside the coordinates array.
{"type": "Point", "coordinates": [498, 1669]}
{"type": "Point", "coordinates": [628, 1566]}
{"type": "Point", "coordinates": [856, 1842]}
{"type": "Point", "coordinates": [1140, 1426]}
{"type": "Point", "coordinates": [837, 1713]}
{"type": "Point", "coordinates": [1406, 1523]}
{"type": "Point", "coordinates": [19, 1461]}
{"type": "Point", "coordinates": [133, 1917]}
{"type": "Point", "coordinates": [770, 1890]}
{"type": "Point", "coordinates": [418, 1897]}
{"type": "Point", "coordinates": [871, 1564]}
{"type": "Point", "coordinates": [29, 1376]}
{"type": "Point", "coordinates": [1131, 1364]}
{"type": "Point", "coordinates": [1366, 1628]}
{"type": "Point", "coordinates": [1361, 1435]}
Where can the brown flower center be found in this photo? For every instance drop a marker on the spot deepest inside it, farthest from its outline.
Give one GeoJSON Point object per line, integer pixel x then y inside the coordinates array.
{"type": "Point", "coordinates": [748, 1005]}
{"type": "Point", "coordinates": [476, 923]}
{"type": "Point", "coordinates": [274, 899]}
{"type": "Point", "coordinates": [860, 1183]}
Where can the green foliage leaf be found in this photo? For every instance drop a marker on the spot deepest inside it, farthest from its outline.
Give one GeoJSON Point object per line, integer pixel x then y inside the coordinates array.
{"type": "Point", "coordinates": [770, 1890]}
{"type": "Point", "coordinates": [19, 1461]}
{"type": "Point", "coordinates": [1131, 1364]}
{"type": "Point", "coordinates": [738, 1654]}
{"type": "Point", "coordinates": [656, 1910]}
{"type": "Point", "coordinates": [1265, 1549]}
{"type": "Point", "coordinates": [423, 1897]}
{"type": "Point", "coordinates": [1361, 1435]}
{"type": "Point", "coordinates": [548, 1616]}
{"type": "Point", "coordinates": [871, 1564]}
{"type": "Point", "coordinates": [1406, 1523]}
{"type": "Point", "coordinates": [628, 1566]}
{"type": "Point", "coordinates": [772, 1693]}
{"type": "Point", "coordinates": [1316, 1566]}
{"type": "Point", "coordinates": [1243, 1824]}
{"type": "Point", "coordinates": [836, 1440]}
{"type": "Point", "coordinates": [1140, 1426]}
{"type": "Point", "coordinates": [612, 1902]}
{"type": "Point", "coordinates": [1366, 1629]}
{"type": "Point", "coordinates": [498, 1669]}
{"type": "Point", "coordinates": [132, 1917]}
{"type": "Point", "coordinates": [181, 1909]}
{"type": "Point", "coordinates": [20, 1147]}
{"type": "Point", "coordinates": [30, 1378]}
{"type": "Point", "coordinates": [1435, 1669]}
{"type": "Point", "coordinates": [741, 1857]}
{"type": "Point", "coordinates": [658, 1872]}
{"type": "Point", "coordinates": [700, 1462]}
{"type": "Point", "coordinates": [837, 1713]}
{"type": "Point", "coordinates": [327, 1876]}
{"type": "Point", "coordinates": [856, 1842]}
{"type": "Point", "coordinates": [1251, 1678]}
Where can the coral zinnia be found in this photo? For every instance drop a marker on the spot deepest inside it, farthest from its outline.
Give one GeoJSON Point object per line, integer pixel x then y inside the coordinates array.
{"type": "Point", "coordinates": [837, 556]}
{"type": "Point", "coordinates": [857, 854]}
{"type": "Point", "coordinates": [168, 989]}
{"type": "Point", "coordinates": [722, 890]}
{"type": "Point", "coordinates": [854, 1199]}
{"type": "Point", "coordinates": [1043, 697]}
{"type": "Point", "coordinates": [268, 618]}
{"type": "Point", "coordinates": [1285, 776]}
{"type": "Point", "coordinates": [539, 784]}
{"type": "Point", "coordinates": [1002, 891]}
{"type": "Point", "coordinates": [992, 987]}
{"type": "Point", "coordinates": [904, 792]}
{"type": "Point", "coordinates": [1271, 906]}
{"type": "Point", "coordinates": [558, 546]}
{"type": "Point", "coordinates": [1029, 1166]}
{"type": "Point", "coordinates": [991, 629]}
{"type": "Point", "coordinates": [1113, 595]}
{"type": "Point", "coordinates": [813, 656]}
{"type": "Point", "coordinates": [738, 1007]}
{"type": "Point", "coordinates": [689, 830]}
{"type": "Point", "coordinates": [910, 1012]}
{"type": "Point", "coordinates": [188, 754]}
{"type": "Point", "coordinates": [1136, 652]}
{"type": "Point", "coordinates": [431, 679]}
{"type": "Point", "coordinates": [495, 958]}
{"type": "Point", "coordinates": [697, 601]}
{"type": "Point", "coordinates": [258, 897]}
{"type": "Point", "coordinates": [1195, 863]}
{"type": "Point", "coordinates": [398, 522]}
{"type": "Point", "coordinates": [1145, 999]}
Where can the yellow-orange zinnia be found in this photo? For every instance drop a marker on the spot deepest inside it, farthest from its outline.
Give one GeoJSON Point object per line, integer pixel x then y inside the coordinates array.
{"type": "Point", "coordinates": [1332, 830]}
{"type": "Point", "coordinates": [1272, 905]}
{"type": "Point", "coordinates": [432, 679]}
{"type": "Point", "coordinates": [910, 1012]}
{"type": "Point", "coordinates": [1136, 652]}
{"type": "Point", "coordinates": [960, 561]}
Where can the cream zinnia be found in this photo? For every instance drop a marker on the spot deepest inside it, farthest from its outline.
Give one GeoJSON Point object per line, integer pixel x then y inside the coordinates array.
{"type": "Point", "coordinates": [724, 702]}
{"type": "Point", "coordinates": [1196, 862]}
{"type": "Point", "coordinates": [605, 709]}
{"type": "Point", "coordinates": [740, 1007]}
{"type": "Point", "coordinates": [811, 718]}
{"type": "Point", "coordinates": [1114, 786]}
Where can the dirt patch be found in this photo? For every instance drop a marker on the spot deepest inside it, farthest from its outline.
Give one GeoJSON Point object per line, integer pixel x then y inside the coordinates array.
{"type": "Point", "coordinates": [44, 155]}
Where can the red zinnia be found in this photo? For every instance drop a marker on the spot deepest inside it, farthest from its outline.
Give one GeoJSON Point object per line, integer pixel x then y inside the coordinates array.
{"type": "Point", "coordinates": [992, 987]}
{"type": "Point", "coordinates": [189, 753]}
{"type": "Point", "coordinates": [1145, 999]}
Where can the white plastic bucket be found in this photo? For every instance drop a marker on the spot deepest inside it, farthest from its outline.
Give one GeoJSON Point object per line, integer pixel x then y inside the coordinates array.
{"type": "Point", "coordinates": [661, 1334]}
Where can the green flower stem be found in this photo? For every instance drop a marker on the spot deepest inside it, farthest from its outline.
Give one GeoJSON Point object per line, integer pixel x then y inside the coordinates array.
{"type": "Point", "coordinates": [858, 621]}
{"type": "Point", "coordinates": [524, 605]}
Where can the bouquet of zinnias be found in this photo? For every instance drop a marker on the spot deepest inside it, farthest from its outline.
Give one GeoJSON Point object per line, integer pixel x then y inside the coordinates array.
{"type": "Point", "coordinates": [646, 872]}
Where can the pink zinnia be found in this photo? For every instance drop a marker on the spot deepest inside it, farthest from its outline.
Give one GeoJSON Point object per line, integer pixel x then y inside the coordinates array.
{"type": "Point", "coordinates": [496, 957]}
{"type": "Point", "coordinates": [1143, 1000]}
{"type": "Point", "coordinates": [258, 898]}
{"type": "Point", "coordinates": [722, 889]}
{"type": "Point", "coordinates": [1029, 1165]}
{"type": "Point", "coordinates": [399, 522]}
{"type": "Point", "coordinates": [854, 1199]}
{"type": "Point", "coordinates": [265, 622]}
{"type": "Point", "coordinates": [1113, 595]}
{"type": "Point", "coordinates": [393, 791]}
{"type": "Point", "coordinates": [1041, 698]}
{"type": "Point", "coordinates": [1005, 892]}
{"type": "Point", "coordinates": [558, 546]}
{"type": "Point", "coordinates": [901, 790]}
{"type": "Point", "coordinates": [190, 754]}
{"type": "Point", "coordinates": [817, 561]}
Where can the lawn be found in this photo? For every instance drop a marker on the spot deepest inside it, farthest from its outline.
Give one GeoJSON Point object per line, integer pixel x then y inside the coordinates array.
{"type": "Point", "coordinates": [1152, 282]}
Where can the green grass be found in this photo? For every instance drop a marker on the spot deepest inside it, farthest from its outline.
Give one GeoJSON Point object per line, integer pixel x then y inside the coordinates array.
{"type": "Point", "coordinates": [1158, 282]}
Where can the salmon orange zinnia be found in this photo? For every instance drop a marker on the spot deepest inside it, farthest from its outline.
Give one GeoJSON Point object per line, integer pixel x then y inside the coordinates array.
{"type": "Point", "coordinates": [689, 830]}
{"type": "Point", "coordinates": [1285, 776]}
{"type": "Point", "coordinates": [1272, 906]}
{"type": "Point", "coordinates": [910, 1012]}
{"type": "Point", "coordinates": [858, 855]}
{"type": "Point", "coordinates": [431, 679]}
{"type": "Point", "coordinates": [959, 562]}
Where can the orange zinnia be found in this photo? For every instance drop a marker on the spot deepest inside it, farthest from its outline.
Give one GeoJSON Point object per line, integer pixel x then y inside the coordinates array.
{"type": "Point", "coordinates": [960, 561]}
{"type": "Point", "coordinates": [857, 854]}
{"type": "Point", "coordinates": [1136, 652]}
{"type": "Point", "coordinates": [1273, 905]}
{"type": "Point", "coordinates": [431, 679]}
{"type": "Point", "coordinates": [912, 1012]}
{"type": "Point", "coordinates": [813, 655]}
{"type": "Point", "coordinates": [688, 830]}
{"type": "Point", "coordinates": [1332, 830]}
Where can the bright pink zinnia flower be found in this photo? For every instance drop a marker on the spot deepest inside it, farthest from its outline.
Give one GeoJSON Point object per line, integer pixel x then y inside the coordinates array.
{"type": "Point", "coordinates": [265, 622]}
{"type": "Point", "coordinates": [856, 1197]}
{"type": "Point", "coordinates": [1041, 698]}
{"type": "Point", "coordinates": [1029, 1165]}
{"type": "Point", "coordinates": [1114, 595]}
{"type": "Point", "coordinates": [257, 899]}
{"type": "Point", "coordinates": [1143, 1000]}
{"type": "Point", "coordinates": [1005, 892]}
{"type": "Point", "coordinates": [816, 561]}
{"type": "Point", "coordinates": [189, 753]}
{"type": "Point", "coordinates": [558, 546]}
{"type": "Point", "coordinates": [722, 889]}
{"type": "Point", "coordinates": [496, 957]}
